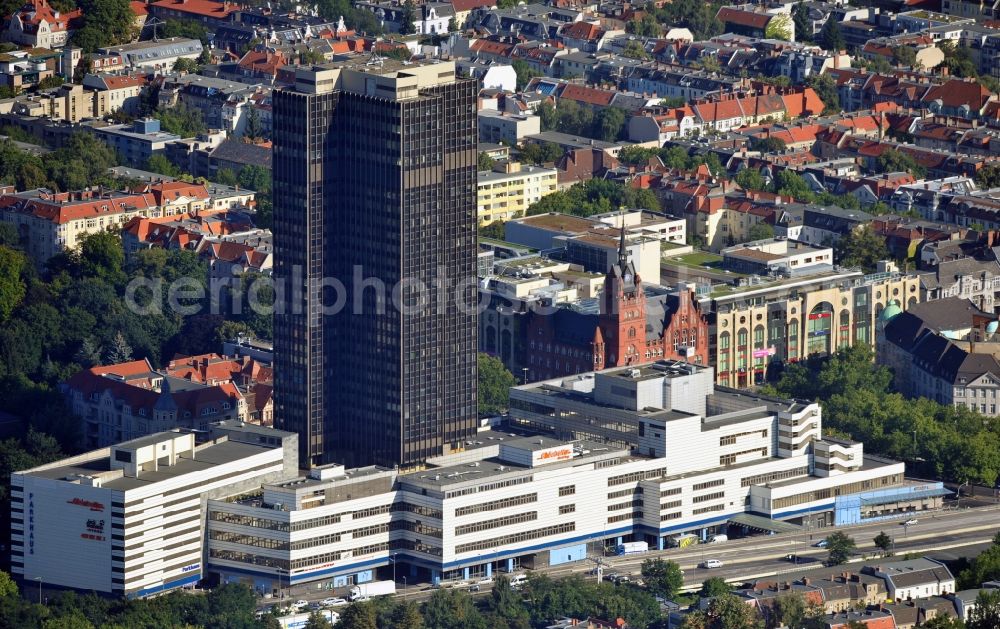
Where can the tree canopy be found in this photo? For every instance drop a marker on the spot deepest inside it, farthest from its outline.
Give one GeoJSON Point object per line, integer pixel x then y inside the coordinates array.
{"type": "Point", "coordinates": [595, 196]}
{"type": "Point", "coordinates": [494, 385]}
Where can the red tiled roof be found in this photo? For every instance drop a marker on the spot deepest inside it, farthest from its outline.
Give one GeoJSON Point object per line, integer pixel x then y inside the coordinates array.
{"type": "Point", "coordinates": [468, 5]}
{"type": "Point", "coordinates": [486, 46]}
{"type": "Point", "coordinates": [719, 110]}
{"type": "Point", "coordinates": [168, 191]}
{"type": "Point", "coordinates": [807, 102]}
{"type": "Point", "coordinates": [730, 15]}
{"type": "Point", "coordinates": [139, 8]}
{"type": "Point", "coordinates": [205, 8]}
{"type": "Point", "coordinates": [589, 95]}
{"type": "Point", "coordinates": [582, 30]}
{"type": "Point", "coordinates": [61, 208]}
{"type": "Point", "coordinates": [957, 92]}
{"type": "Point", "coordinates": [34, 12]}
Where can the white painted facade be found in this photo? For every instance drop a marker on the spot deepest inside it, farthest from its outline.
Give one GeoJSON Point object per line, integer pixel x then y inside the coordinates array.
{"type": "Point", "coordinates": [128, 520]}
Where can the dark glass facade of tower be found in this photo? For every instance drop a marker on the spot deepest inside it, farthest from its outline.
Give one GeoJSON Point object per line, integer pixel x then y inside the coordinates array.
{"type": "Point", "coordinates": [374, 197]}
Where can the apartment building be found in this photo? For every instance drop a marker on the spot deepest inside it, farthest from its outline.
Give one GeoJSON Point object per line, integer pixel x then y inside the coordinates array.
{"type": "Point", "coordinates": [945, 350]}
{"type": "Point", "coordinates": [760, 321]}
{"type": "Point", "coordinates": [136, 142]}
{"type": "Point", "coordinates": [496, 127]}
{"type": "Point", "coordinates": [127, 520]}
{"type": "Point", "coordinates": [50, 222]}
{"type": "Point", "coordinates": [507, 191]}
{"type": "Point", "coordinates": [130, 400]}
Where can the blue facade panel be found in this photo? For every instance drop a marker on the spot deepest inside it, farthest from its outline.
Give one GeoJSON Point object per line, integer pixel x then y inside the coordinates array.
{"type": "Point", "coordinates": [847, 509]}
{"type": "Point", "coordinates": [567, 554]}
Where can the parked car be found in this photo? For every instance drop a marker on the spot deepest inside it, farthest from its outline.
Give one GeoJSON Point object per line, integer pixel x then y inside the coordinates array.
{"type": "Point", "coordinates": [712, 563]}
{"type": "Point", "coordinates": [909, 522]}
{"type": "Point", "coordinates": [820, 544]}
{"type": "Point", "coordinates": [474, 587]}
{"type": "Point", "coordinates": [315, 606]}
{"type": "Point", "coordinates": [300, 604]}
{"type": "Point", "coordinates": [334, 601]}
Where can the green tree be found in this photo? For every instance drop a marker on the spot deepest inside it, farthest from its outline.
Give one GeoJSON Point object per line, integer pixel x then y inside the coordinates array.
{"type": "Point", "coordinates": [50, 82]}
{"type": "Point", "coordinates": [826, 89]}
{"type": "Point", "coordinates": [181, 120]}
{"type": "Point", "coordinates": [790, 609]}
{"type": "Point", "coordinates": [494, 231]}
{"type": "Point", "coordinates": [985, 567]}
{"type": "Point", "coordinates": [761, 231]}
{"type": "Point", "coordinates": [8, 588]}
{"type": "Point", "coordinates": [543, 153]}
{"type": "Point", "coordinates": [988, 177]}
{"type": "Point", "coordinates": [780, 26]}
{"type": "Point", "coordinates": [802, 21]}
{"type": "Point", "coordinates": [750, 179]}
{"type": "Point", "coordinates": [635, 155]}
{"type": "Point", "coordinates": [406, 25]}
{"type": "Point", "coordinates": [524, 73]}
{"type": "Point", "coordinates": [452, 609]}
{"type": "Point", "coordinates": [12, 286]}
{"type": "Point", "coordinates": [255, 128]}
{"type": "Point", "coordinates": [883, 542]}
{"type": "Point", "coordinates": [226, 177]}
{"type": "Point", "coordinates": [729, 611]}
{"type": "Point", "coordinates": [790, 183]}
{"type": "Point", "coordinates": [494, 385]}
{"type": "Point", "coordinates": [184, 28]}
{"type": "Point", "coordinates": [663, 578]}
{"type": "Point", "coordinates": [894, 160]}
{"type": "Point", "coordinates": [158, 163]}
{"type": "Point", "coordinates": [186, 65]}
{"type": "Point", "coordinates": [839, 548]}
{"type": "Point", "coordinates": [318, 621]}
{"type": "Point", "coordinates": [506, 603]}
{"type": "Point", "coordinates": [830, 38]}
{"type": "Point", "coordinates": [105, 23]}
{"type": "Point", "coordinates": [634, 49]}
{"type": "Point", "coordinates": [714, 586]}
{"type": "Point", "coordinates": [905, 56]}
{"type": "Point", "coordinates": [256, 178]}
{"type": "Point", "coordinates": [485, 162]}
{"type": "Point", "coordinates": [609, 124]}
{"type": "Point", "coordinates": [862, 247]}
{"type": "Point", "coordinates": [407, 616]}
{"type": "Point", "coordinates": [646, 26]}
{"type": "Point", "coordinates": [362, 615]}
{"type": "Point", "coordinates": [767, 145]}
{"type": "Point", "coordinates": [986, 613]}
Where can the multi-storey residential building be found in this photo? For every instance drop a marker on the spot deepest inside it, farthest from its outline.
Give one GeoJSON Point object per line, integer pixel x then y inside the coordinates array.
{"type": "Point", "coordinates": [39, 25]}
{"type": "Point", "coordinates": [638, 453]}
{"type": "Point", "coordinates": [128, 520]}
{"type": "Point", "coordinates": [944, 350]}
{"type": "Point", "coordinates": [51, 222]}
{"type": "Point", "coordinates": [131, 400]}
{"type": "Point", "coordinates": [375, 187]}
{"type": "Point", "coordinates": [788, 320]}
{"type": "Point", "coordinates": [136, 142]}
{"type": "Point", "coordinates": [496, 126]}
{"type": "Point", "coordinates": [507, 191]}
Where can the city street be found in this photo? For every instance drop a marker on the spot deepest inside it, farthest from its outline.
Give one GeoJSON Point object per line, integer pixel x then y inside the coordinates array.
{"type": "Point", "coordinates": [948, 533]}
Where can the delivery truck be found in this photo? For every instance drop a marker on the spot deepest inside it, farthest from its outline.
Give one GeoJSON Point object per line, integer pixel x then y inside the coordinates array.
{"type": "Point", "coordinates": [633, 548]}
{"type": "Point", "coordinates": [364, 591]}
{"type": "Point", "coordinates": [683, 541]}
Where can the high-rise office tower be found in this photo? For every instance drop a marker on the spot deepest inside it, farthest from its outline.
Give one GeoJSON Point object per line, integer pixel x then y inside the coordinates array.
{"type": "Point", "coordinates": [375, 250]}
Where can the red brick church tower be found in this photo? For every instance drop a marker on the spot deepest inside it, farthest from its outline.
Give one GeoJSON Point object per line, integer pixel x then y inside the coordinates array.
{"type": "Point", "coordinates": [620, 337]}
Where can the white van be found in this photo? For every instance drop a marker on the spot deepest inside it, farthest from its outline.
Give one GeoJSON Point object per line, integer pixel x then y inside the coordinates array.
{"type": "Point", "coordinates": [718, 539]}
{"type": "Point", "coordinates": [712, 563]}
{"type": "Point", "coordinates": [518, 580]}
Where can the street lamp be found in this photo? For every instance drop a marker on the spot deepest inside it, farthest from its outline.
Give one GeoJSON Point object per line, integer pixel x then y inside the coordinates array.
{"type": "Point", "coordinates": [404, 586]}
{"type": "Point", "coordinates": [392, 558]}
{"type": "Point", "coordinates": [39, 579]}
{"type": "Point", "coordinates": [524, 375]}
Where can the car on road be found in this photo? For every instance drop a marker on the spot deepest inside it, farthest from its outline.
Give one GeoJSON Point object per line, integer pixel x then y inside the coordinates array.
{"type": "Point", "coordinates": [474, 587]}
{"type": "Point", "coordinates": [792, 557]}
{"type": "Point", "coordinates": [333, 601]}
{"type": "Point", "coordinates": [712, 563]}
{"type": "Point", "coordinates": [315, 606]}
{"type": "Point", "coordinates": [611, 576]}
{"type": "Point", "coordinates": [300, 604]}
{"type": "Point", "coordinates": [909, 522]}
{"type": "Point", "coordinates": [820, 544]}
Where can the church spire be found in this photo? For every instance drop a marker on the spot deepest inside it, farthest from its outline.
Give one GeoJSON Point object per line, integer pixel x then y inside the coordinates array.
{"type": "Point", "coordinates": [622, 253]}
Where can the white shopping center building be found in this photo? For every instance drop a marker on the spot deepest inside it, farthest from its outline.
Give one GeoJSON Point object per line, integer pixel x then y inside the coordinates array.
{"type": "Point", "coordinates": [590, 461]}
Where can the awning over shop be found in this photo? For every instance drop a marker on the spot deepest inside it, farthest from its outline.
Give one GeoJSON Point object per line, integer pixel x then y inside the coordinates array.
{"type": "Point", "coordinates": [764, 524]}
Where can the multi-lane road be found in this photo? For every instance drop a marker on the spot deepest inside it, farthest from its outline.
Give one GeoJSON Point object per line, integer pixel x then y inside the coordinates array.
{"type": "Point", "coordinates": [964, 532]}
